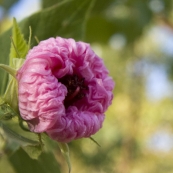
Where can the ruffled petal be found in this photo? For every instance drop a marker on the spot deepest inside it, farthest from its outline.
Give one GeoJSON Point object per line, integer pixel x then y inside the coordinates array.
{"type": "Point", "coordinates": [42, 95]}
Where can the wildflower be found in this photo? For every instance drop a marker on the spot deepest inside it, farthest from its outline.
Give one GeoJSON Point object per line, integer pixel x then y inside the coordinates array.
{"type": "Point", "coordinates": [64, 89]}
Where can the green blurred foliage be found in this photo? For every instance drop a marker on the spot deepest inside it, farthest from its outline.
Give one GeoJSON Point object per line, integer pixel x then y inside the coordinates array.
{"type": "Point", "coordinates": [6, 4]}
{"type": "Point", "coordinates": [64, 26]}
{"type": "Point", "coordinates": [46, 4]}
{"type": "Point", "coordinates": [45, 164]}
{"type": "Point", "coordinates": [133, 119]}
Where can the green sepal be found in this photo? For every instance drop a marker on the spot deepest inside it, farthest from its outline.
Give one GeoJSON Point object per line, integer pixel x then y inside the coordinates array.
{"type": "Point", "coordinates": [11, 95]}
{"type": "Point", "coordinates": [95, 141]}
{"type": "Point", "coordinates": [19, 47]}
{"type": "Point", "coordinates": [9, 70]}
{"type": "Point", "coordinates": [6, 113]}
{"type": "Point", "coordinates": [65, 151]}
{"type": "Point", "coordinates": [18, 51]}
{"type": "Point", "coordinates": [18, 62]}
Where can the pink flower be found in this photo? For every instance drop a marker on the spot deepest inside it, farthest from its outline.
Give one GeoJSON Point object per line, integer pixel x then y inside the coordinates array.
{"type": "Point", "coordinates": [64, 89]}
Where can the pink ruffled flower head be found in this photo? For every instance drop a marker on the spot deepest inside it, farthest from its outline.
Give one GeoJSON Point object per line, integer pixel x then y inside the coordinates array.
{"type": "Point", "coordinates": [64, 89]}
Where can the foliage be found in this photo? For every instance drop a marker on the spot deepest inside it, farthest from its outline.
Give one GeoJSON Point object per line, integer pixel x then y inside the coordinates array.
{"type": "Point", "coordinates": [6, 4]}
{"type": "Point", "coordinates": [64, 26]}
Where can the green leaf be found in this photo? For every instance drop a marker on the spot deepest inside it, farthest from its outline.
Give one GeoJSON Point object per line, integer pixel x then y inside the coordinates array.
{"type": "Point", "coordinates": [46, 3]}
{"type": "Point", "coordinates": [101, 6]}
{"type": "Point", "coordinates": [33, 151]}
{"type": "Point", "coordinates": [22, 163]}
{"type": "Point", "coordinates": [16, 137]}
{"type": "Point", "coordinates": [32, 148]}
{"type": "Point", "coordinates": [97, 25]}
{"type": "Point", "coordinates": [65, 151]}
{"type": "Point", "coordinates": [19, 47]}
{"type": "Point", "coordinates": [66, 19]}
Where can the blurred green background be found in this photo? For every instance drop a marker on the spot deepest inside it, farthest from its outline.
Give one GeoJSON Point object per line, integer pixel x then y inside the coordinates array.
{"type": "Point", "coordinates": [135, 39]}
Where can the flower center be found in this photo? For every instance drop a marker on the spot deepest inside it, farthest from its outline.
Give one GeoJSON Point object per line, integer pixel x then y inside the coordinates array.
{"type": "Point", "coordinates": [76, 88]}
